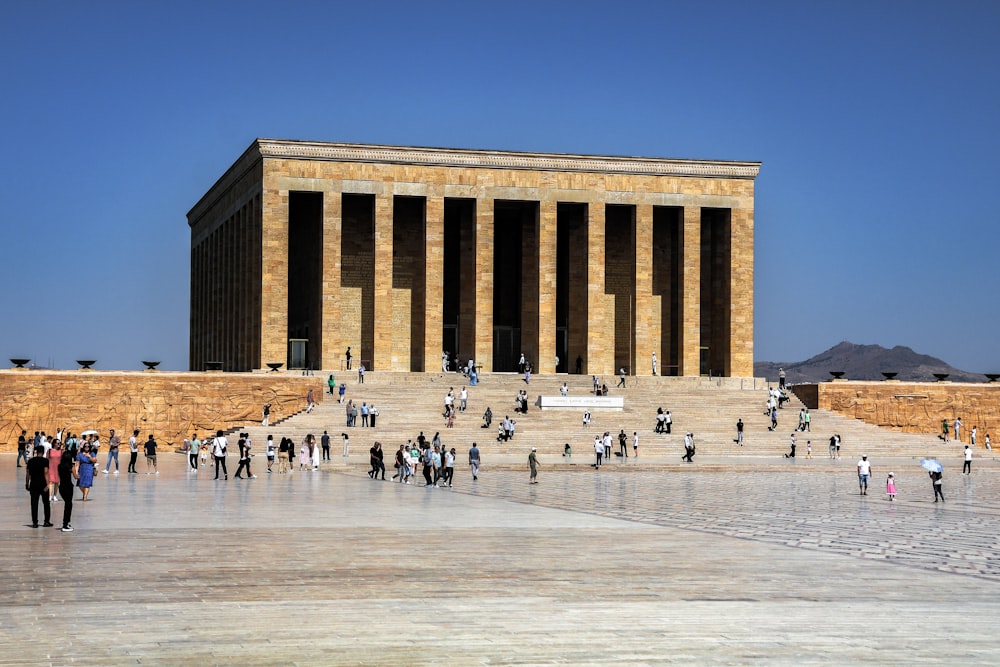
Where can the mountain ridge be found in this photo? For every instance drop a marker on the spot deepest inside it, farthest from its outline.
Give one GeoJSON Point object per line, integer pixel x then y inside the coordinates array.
{"type": "Point", "coordinates": [864, 362]}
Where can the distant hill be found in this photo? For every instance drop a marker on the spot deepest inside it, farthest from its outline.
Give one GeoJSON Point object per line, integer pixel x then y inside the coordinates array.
{"type": "Point", "coordinates": [863, 362]}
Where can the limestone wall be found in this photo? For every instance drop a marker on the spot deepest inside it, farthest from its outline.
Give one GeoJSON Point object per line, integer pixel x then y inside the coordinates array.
{"type": "Point", "coordinates": [913, 407]}
{"type": "Point", "coordinates": [169, 405]}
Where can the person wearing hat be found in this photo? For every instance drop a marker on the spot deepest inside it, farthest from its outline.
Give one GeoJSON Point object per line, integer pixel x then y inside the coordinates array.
{"type": "Point", "coordinates": [864, 473]}
{"type": "Point", "coordinates": [533, 465]}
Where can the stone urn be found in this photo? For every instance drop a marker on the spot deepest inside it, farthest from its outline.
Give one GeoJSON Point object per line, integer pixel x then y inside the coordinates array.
{"type": "Point", "coordinates": [890, 376]}
{"type": "Point", "coordinates": [838, 375]}
{"type": "Point", "coordinates": [151, 365]}
{"type": "Point", "coordinates": [941, 377]}
{"type": "Point", "coordinates": [20, 363]}
{"type": "Point", "coordinates": [85, 364]}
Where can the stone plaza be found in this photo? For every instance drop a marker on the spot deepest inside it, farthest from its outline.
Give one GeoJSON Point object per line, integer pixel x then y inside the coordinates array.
{"type": "Point", "coordinates": [726, 561]}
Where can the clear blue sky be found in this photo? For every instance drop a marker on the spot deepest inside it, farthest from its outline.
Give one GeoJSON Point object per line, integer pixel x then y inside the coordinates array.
{"type": "Point", "coordinates": [876, 123]}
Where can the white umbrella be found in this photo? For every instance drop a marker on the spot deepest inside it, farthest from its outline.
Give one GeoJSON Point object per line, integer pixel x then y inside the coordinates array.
{"type": "Point", "coordinates": [90, 432]}
{"type": "Point", "coordinates": [931, 465]}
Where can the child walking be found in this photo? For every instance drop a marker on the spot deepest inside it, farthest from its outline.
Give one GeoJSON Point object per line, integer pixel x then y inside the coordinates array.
{"type": "Point", "coordinates": [890, 487]}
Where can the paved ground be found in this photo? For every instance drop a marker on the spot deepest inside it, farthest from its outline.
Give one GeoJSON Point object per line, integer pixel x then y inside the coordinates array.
{"type": "Point", "coordinates": [713, 564]}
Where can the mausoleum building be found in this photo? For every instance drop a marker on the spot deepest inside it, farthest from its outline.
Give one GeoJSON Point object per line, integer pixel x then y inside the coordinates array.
{"type": "Point", "coordinates": [302, 249]}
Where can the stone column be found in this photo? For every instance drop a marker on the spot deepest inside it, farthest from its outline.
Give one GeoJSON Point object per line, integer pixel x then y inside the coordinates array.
{"type": "Point", "coordinates": [689, 348]}
{"type": "Point", "coordinates": [547, 240]}
{"type": "Point", "coordinates": [274, 274]}
{"type": "Point", "coordinates": [383, 264]}
{"type": "Point", "coordinates": [484, 283]}
{"type": "Point", "coordinates": [740, 357]}
{"type": "Point", "coordinates": [433, 282]}
{"type": "Point", "coordinates": [647, 324]}
{"type": "Point", "coordinates": [600, 306]}
{"type": "Point", "coordinates": [333, 225]}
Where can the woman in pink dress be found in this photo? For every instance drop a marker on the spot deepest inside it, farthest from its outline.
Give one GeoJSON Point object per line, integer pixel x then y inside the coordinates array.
{"type": "Point", "coordinates": [890, 486]}
{"type": "Point", "coordinates": [55, 455]}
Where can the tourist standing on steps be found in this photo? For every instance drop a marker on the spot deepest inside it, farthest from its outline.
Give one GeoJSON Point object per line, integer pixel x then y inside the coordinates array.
{"type": "Point", "coordinates": [36, 481]}
{"type": "Point", "coordinates": [791, 454]}
{"type": "Point", "coordinates": [372, 414]}
{"type": "Point", "coordinates": [621, 376]}
{"type": "Point", "coordinates": [668, 421]}
{"type": "Point", "coordinates": [310, 401]}
{"type": "Point", "coordinates": [944, 430]}
{"type": "Point", "coordinates": [474, 461]}
{"type": "Point", "coordinates": [533, 465]}
{"type": "Point", "coordinates": [864, 474]}
{"type": "Point", "coordinates": [375, 459]}
{"type": "Point", "coordinates": [833, 447]}
{"type": "Point", "coordinates": [266, 421]}
{"type": "Point", "coordinates": [361, 373]}
{"type": "Point", "coordinates": [67, 475]}
{"type": "Point", "coordinates": [958, 429]}
{"type": "Point", "coordinates": [936, 481]}
{"type": "Point", "coordinates": [347, 356]}
{"type": "Point", "coordinates": [967, 465]}
{"type": "Point", "coordinates": [739, 432]}
{"type": "Point", "coordinates": [972, 435]}
{"type": "Point", "coordinates": [521, 364]}
{"type": "Point", "coordinates": [341, 392]}
{"type": "Point", "coordinates": [219, 450]}
{"type": "Point", "coordinates": [347, 444]}
{"type": "Point", "coordinates": [808, 421]}
{"type": "Point", "coordinates": [781, 378]}
{"type": "Point", "coordinates": [150, 449]}
{"type": "Point", "coordinates": [324, 441]}
{"type": "Point", "coordinates": [332, 384]}
{"type": "Point", "coordinates": [654, 363]}
{"type": "Point", "coordinates": [133, 452]}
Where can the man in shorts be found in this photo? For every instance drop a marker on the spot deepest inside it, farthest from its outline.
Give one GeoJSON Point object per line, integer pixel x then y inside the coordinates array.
{"type": "Point", "coordinates": [864, 474]}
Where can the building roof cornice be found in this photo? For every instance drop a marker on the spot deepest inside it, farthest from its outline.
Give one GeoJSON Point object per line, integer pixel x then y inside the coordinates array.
{"type": "Point", "coordinates": [488, 159]}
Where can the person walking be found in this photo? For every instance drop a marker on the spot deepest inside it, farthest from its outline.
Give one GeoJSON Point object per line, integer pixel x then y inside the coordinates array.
{"type": "Point", "coordinates": [244, 463]}
{"type": "Point", "coordinates": [36, 480]}
{"type": "Point", "coordinates": [474, 461]}
{"type": "Point", "coordinates": [598, 450]}
{"type": "Point", "coordinates": [310, 401]}
{"type": "Point", "coordinates": [219, 450]}
{"type": "Point", "coordinates": [864, 474]}
{"type": "Point", "coordinates": [533, 466]}
{"type": "Point", "coordinates": [621, 377]}
{"type": "Point", "coordinates": [890, 487]}
{"type": "Point", "coordinates": [635, 444]}
{"type": "Point", "coordinates": [739, 432]}
{"type": "Point", "coordinates": [347, 356]}
{"type": "Point", "coordinates": [22, 448]}
{"type": "Point", "coordinates": [791, 453]}
{"type": "Point", "coordinates": [67, 474]}
{"type": "Point", "coordinates": [347, 445]}
{"type": "Point", "coordinates": [936, 482]}
{"type": "Point", "coordinates": [113, 443]}
{"type": "Point", "coordinates": [377, 463]}
{"type": "Point", "coordinates": [689, 449]}
{"type": "Point", "coordinates": [967, 464]}
{"type": "Point", "coordinates": [449, 466]}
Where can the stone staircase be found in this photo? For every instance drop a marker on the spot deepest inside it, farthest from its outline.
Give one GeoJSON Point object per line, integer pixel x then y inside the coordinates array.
{"type": "Point", "coordinates": [709, 407]}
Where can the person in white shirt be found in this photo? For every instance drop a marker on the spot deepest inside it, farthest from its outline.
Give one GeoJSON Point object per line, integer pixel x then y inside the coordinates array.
{"type": "Point", "coordinates": [133, 452]}
{"type": "Point", "coordinates": [220, 447]}
{"type": "Point", "coordinates": [967, 466]}
{"type": "Point", "coordinates": [864, 474]}
{"type": "Point", "coordinates": [635, 443]}
{"type": "Point", "coordinates": [564, 389]}
{"type": "Point", "coordinates": [598, 449]}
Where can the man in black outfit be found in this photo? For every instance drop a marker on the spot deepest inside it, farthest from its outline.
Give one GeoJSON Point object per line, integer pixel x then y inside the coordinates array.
{"type": "Point", "coordinates": [22, 448]}
{"type": "Point", "coordinates": [36, 482]}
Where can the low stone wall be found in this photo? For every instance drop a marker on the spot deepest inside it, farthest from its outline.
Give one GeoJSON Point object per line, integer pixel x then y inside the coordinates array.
{"type": "Point", "coordinates": [169, 405]}
{"type": "Point", "coordinates": [912, 407]}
